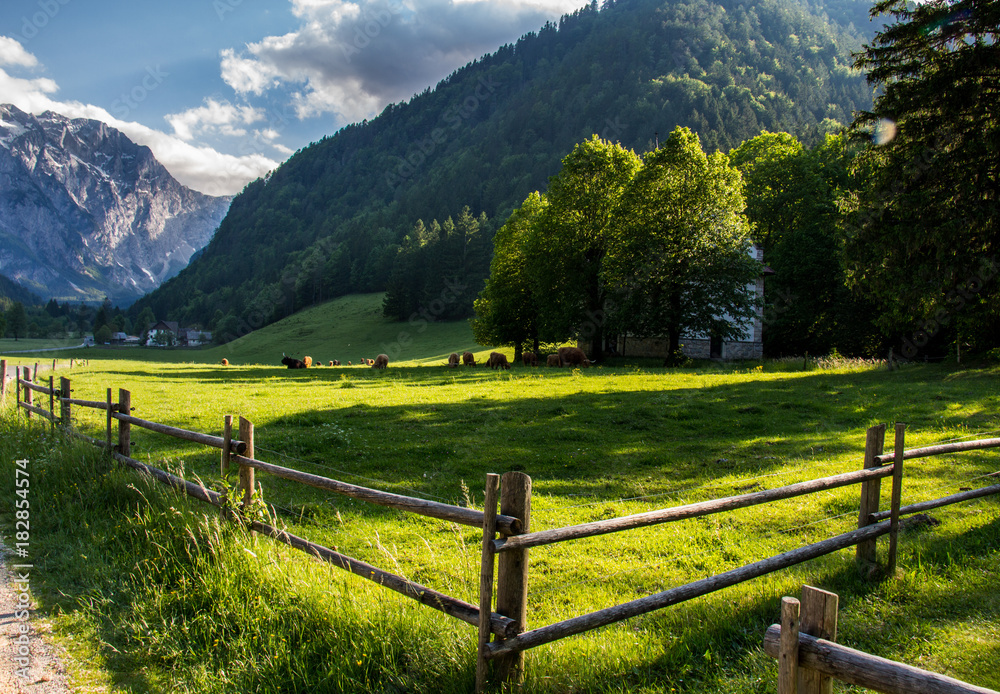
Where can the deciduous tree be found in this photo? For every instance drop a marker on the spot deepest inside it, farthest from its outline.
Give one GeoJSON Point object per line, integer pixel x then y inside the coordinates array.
{"type": "Point", "coordinates": [680, 260]}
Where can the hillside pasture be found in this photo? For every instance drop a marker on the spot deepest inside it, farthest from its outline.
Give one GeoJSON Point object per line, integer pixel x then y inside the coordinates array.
{"type": "Point", "coordinates": [598, 443]}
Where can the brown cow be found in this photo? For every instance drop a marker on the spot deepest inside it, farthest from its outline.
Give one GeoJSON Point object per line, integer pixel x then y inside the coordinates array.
{"type": "Point", "coordinates": [308, 361]}
{"type": "Point", "coordinates": [497, 361]}
{"type": "Point", "coordinates": [349, 363]}
{"type": "Point", "coordinates": [380, 362]}
{"type": "Point", "coordinates": [453, 360]}
{"type": "Point", "coordinates": [552, 360]}
{"type": "Point", "coordinates": [371, 362]}
{"type": "Point", "coordinates": [225, 362]}
{"type": "Point", "coordinates": [573, 356]}
{"type": "Point", "coordinates": [468, 358]}
{"type": "Point", "coordinates": [529, 359]}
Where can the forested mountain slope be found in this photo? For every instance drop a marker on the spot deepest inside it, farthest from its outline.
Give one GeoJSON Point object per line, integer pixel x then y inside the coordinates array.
{"type": "Point", "coordinates": [332, 219]}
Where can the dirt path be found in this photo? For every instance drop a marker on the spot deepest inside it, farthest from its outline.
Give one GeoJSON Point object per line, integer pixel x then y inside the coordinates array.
{"type": "Point", "coordinates": [45, 674]}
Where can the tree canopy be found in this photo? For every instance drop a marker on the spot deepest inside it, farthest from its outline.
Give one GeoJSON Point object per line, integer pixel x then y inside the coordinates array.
{"type": "Point", "coordinates": [650, 246]}
{"type": "Point", "coordinates": [923, 233]}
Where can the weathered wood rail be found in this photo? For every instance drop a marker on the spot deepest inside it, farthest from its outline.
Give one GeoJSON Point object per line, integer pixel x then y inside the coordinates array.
{"type": "Point", "coordinates": [804, 643]}
{"type": "Point", "coordinates": [505, 522]}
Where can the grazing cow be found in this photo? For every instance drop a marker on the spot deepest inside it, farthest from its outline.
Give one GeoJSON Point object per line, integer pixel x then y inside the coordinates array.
{"type": "Point", "coordinates": [225, 362]}
{"type": "Point", "coordinates": [292, 363]}
{"type": "Point", "coordinates": [453, 360]}
{"type": "Point", "coordinates": [552, 360]}
{"type": "Point", "coordinates": [349, 363]}
{"type": "Point", "coordinates": [468, 358]}
{"type": "Point", "coordinates": [529, 359]}
{"type": "Point", "coordinates": [573, 356]}
{"type": "Point", "coordinates": [380, 362]}
{"type": "Point", "coordinates": [498, 360]}
{"type": "Point", "coordinates": [308, 361]}
{"type": "Point", "coordinates": [335, 362]}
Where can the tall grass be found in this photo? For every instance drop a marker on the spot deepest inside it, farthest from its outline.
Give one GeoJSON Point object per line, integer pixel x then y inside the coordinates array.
{"type": "Point", "coordinates": [169, 598]}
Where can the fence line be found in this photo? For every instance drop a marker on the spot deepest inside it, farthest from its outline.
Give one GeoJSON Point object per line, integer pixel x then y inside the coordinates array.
{"type": "Point", "coordinates": [507, 557]}
{"type": "Point", "coordinates": [232, 447]}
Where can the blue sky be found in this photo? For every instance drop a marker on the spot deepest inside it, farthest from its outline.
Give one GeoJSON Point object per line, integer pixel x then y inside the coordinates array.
{"type": "Point", "coordinates": [223, 91]}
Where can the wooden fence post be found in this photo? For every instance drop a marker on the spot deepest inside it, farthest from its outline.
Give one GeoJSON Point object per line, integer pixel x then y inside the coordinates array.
{"type": "Point", "coordinates": [874, 443]}
{"type": "Point", "coordinates": [65, 409]}
{"type": "Point", "coordinates": [3, 380]}
{"type": "Point", "coordinates": [788, 653]}
{"type": "Point", "coordinates": [818, 618]}
{"type": "Point", "coordinates": [897, 496]}
{"type": "Point", "coordinates": [107, 412]}
{"type": "Point", "coordinates": [246, 473]}
{"type": "Point", "coordinates": [34, 379]}
{"type": "Point", "coordinates": [227, 438]}
{"type": "Point", "coordinates": [28, 394]}
{"type": "Point", "coordinates": [486, 579]}
{"type": "Point", "coordinates": [52, 401]}
{"type": "Point", "coordinates": [124, 428]}
{"type": "Point", "coordinates": [512, 572]}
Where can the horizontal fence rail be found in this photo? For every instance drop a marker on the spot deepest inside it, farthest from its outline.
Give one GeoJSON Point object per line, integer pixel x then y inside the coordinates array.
{"type": "Point", "coordinates": [499, 625]}
{"type": "Point", "coordinates": [938, 503]}
{"type": "Point", "coordinates": [941, 449]}
{"type": "Point", "coordinates": [676, 513]}
{"type": "Point", "coordinates": [432, 509]}
{"type": "Point", "coordinates": [45, 390]}
{"type": "Point", "coordinates": [866, 670]}
{"type": "Point", "coordinates": [193, 436]}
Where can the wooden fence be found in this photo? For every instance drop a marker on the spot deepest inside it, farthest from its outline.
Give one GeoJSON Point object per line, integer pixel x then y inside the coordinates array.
{"type": "Point", "coordinates": [505, 523]}
{"type": "Point", "coordinates": [809, 659]}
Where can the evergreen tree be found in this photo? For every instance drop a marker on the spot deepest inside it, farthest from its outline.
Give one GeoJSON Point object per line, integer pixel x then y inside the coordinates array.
{"type": "Point", "coordinates": [924, 226]}
{"type": "Point", "coordinates": [17, 320]}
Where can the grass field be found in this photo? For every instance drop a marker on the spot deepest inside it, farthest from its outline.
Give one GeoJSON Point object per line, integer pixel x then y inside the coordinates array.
{"type": "Point", "coordinates": [159, 597]}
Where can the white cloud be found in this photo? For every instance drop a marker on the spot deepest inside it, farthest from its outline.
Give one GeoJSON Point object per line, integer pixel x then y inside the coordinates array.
{"type": "Point", "coordinates": [196, 166]}
{"type": "Point", "coordinates": [13, 53]}
{"type": "Point", "coordinates": [352, 58]}
{"type": "Point", "coordinates": [213, 118]}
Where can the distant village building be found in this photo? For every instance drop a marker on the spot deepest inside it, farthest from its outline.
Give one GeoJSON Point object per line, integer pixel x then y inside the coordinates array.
{"type": "Point", "coordinates": [749, 345]}
{"type": "Point", "coordinates": [163, 334]}
{"type": "Point", "coordinates": [192, 337]}
{"type": "Point", "coordinates": [169, 334]}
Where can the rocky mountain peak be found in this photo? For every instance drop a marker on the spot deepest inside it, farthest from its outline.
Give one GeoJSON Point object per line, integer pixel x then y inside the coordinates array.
{"type": "Point", "coordinates": [85, 212]}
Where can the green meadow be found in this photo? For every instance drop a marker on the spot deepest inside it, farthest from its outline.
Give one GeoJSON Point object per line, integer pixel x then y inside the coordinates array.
{"type": "Point", "coordinates": [150, 592]}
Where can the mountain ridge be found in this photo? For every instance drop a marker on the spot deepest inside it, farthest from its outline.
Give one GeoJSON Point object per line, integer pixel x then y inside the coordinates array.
{"type": "Point", "coordinates": [87, 213]}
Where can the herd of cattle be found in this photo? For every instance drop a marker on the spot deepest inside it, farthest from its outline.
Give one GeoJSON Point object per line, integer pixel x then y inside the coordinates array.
{"type": "Point", "coordinates": [379, 362]}
{"type": "Point", "coordinates": [566, 356]}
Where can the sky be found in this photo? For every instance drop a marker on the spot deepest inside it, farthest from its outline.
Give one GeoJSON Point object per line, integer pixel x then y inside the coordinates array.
{"type": "Point", "coordinates": [223, 91]}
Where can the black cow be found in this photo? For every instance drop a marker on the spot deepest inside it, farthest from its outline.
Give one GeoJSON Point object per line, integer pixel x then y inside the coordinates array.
{"type": "Point", "coordinates": [292, 363]}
